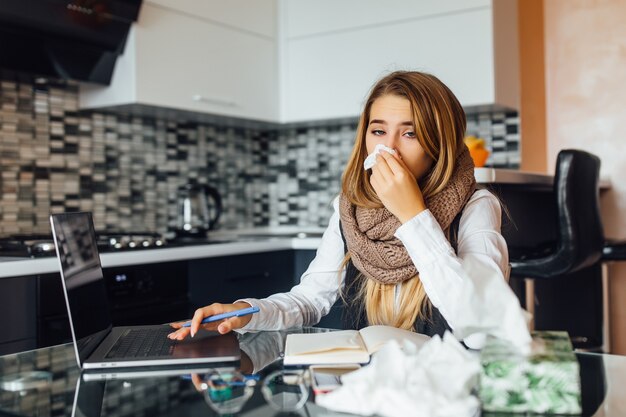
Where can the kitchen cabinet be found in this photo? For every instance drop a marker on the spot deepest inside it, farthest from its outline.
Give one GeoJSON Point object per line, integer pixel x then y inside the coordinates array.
{"type": "Point", "coordinates": [333, 319]}
{"type": "Point", "coordinates": [18, 310]}
{"type": "Point", "coordinates": [147, 293]}
{"type": "Point", "coordinates": [259, 275]}
{"type": "Point", "coordinates": [257, 17]}
{"type": "Point", "coordinates": [180, 57]}
{"type": "Point", "coordinates": [287, 61]}
{"type": "Point", "coordinates": [329, 62]}
{"type": "Point", "coordinates": [302, 259]}
{"type": "Point", "coordinates": [53, 324]}
{"type": "Point", "coordinates": [228, 278]}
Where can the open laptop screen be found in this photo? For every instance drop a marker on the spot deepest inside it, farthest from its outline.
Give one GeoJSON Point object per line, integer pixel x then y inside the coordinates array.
{"type": "Point", "coordinates": [83, 282]}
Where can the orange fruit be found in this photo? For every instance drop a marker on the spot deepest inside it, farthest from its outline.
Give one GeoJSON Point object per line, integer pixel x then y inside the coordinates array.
{"type": "Point", "coordinates": [480, 156]}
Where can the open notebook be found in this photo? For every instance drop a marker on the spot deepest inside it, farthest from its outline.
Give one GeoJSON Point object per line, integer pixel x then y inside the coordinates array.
{"type": "Point", "coordinates": [344, 346]}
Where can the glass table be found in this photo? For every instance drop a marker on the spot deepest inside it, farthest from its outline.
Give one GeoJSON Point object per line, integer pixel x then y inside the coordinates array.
{"type": "Point", "coordinates": [47, 382]}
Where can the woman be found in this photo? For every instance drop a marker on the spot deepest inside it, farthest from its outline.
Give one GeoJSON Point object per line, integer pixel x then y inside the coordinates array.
{"type": "Point", "coordinates": [396, 245]}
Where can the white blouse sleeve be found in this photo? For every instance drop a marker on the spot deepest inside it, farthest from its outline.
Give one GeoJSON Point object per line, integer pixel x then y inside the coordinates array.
{"type": "Point", "coordinates": [456, 282]}
{"type": "Point", "coordinates": [306, 303]}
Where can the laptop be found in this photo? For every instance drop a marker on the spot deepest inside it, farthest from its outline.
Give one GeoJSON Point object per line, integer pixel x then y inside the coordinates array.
{"type": "Point", "coordinates": [96, 342]}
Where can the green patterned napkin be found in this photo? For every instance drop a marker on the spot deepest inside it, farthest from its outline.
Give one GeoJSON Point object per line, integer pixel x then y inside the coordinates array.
{"type": "Point", "coordinates": [546, 381]}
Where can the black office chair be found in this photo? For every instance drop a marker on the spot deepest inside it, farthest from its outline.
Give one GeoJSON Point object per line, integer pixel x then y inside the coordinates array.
{"type": "Point", "coordinates": [580, 237]}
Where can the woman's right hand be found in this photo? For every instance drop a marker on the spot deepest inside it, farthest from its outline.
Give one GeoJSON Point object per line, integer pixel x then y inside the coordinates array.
{"type": "Point", "coordinates": [222, 326]}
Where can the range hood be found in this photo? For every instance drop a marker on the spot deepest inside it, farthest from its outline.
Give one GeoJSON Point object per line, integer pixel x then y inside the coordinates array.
{"type": "Point", "coordinates": [69, 39]}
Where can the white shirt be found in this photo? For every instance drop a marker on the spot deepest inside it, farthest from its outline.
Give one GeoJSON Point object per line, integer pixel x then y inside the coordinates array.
{"type": "Point", "coordinates": [440, 268]}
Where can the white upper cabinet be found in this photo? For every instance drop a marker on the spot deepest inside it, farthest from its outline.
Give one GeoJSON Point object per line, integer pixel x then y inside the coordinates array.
{"type": "Point", "coordinates": [308, 17]}
{"type": "Point", "coordinates": [333, 51]}
{"type": "Point", "coordinates": [183, 56]}
{"type": "Point", "coordinates": [302, 60]}
{"type": "Point", "coordinates": [257, 17]}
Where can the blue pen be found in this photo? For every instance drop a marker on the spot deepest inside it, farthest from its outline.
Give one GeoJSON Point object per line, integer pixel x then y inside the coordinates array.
{"type": "Point", "coordinates": [235, 313]}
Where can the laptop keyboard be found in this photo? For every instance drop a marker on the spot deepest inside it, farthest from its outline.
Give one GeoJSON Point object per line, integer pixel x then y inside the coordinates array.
{"type": "Point", "coordinates": [142, 343]}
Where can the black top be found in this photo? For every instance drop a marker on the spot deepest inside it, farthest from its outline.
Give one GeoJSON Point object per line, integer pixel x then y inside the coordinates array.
{"type": "Point", "coordinates": [354, 317]}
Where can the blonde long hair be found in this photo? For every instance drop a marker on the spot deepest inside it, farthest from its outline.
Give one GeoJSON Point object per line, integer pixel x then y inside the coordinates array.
{"type": "Point", "coordinates": [439, 122]}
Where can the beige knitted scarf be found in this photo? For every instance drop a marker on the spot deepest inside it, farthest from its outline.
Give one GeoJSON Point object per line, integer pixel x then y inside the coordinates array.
{"type": "Point", "coordinates": [369, 233]}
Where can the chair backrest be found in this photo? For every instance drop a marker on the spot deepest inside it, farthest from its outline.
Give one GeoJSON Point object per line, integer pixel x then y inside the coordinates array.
{"type": "Point", "coordinates": [576, 188]}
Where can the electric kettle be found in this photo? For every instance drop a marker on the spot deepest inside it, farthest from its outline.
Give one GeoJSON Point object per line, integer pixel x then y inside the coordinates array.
{"type": "Point", "coordinates": [200, 207]}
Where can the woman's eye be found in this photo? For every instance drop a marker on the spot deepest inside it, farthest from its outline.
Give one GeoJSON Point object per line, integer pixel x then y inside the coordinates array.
{"type": "Point", "coordinates": [378, 132]}
{"type": "Point", "coordinates": [410, 134]}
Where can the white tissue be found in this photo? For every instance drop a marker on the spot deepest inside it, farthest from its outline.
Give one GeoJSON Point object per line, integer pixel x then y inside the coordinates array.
{"type": "Point", "coordinates": [485, 305]}
{"type": "Point", "coordinates": [435, 380]}
{"type": "Point", "coordinates": [370, 161]}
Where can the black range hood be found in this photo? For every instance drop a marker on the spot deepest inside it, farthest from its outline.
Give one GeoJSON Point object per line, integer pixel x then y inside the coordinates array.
{"type": "Point", "coordinates": [75, 39]}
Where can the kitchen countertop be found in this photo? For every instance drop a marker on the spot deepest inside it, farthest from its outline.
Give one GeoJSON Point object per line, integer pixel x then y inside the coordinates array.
{"type": "Point", "coordinates": [508, 176]}
{"type": "Point", "coordinates": [511, 176]}
{"type": "Point", "coordinates": [16, 267]}
{"type": "Point", "coordinates": [245, 241]}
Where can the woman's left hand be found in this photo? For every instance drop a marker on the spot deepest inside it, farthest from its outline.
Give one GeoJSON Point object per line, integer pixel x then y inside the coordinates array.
{"type": "Point", "coordinates": [397, 187]}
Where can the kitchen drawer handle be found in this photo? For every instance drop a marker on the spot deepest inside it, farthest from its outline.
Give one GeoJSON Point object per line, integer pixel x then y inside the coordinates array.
{"type": "Point", "coordinates": [263, 275]}
{"type": "Point", "coordinates": [215, 101]}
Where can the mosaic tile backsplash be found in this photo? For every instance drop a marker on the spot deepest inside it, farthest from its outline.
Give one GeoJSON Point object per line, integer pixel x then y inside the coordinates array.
{"type": "Point", "coordinates": [127, 170]}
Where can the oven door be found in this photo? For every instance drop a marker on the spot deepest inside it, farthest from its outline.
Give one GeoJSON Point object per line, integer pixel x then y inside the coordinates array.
{"type": "Point", "coordinates": [148, 294]}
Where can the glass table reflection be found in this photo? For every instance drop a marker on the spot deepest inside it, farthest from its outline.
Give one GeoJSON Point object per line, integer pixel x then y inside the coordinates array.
{"type": "Point", "coordinates": [47, 382]}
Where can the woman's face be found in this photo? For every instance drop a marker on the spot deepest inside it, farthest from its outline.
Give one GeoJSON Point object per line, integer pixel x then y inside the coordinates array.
{"type": "Point", "coordinates": [391, 124]}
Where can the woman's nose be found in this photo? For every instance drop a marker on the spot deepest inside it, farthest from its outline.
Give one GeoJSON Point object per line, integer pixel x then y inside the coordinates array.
{"type": "Point", "coordinates": [392, 140]}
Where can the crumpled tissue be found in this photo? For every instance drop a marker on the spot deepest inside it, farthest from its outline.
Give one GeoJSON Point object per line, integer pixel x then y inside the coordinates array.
{"type": "Point", "coordinates": [370, 161]}
{"type": "Point", "coordinates": [486, 305]}
{"type": "Point", "coordinates": [434, 380]}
